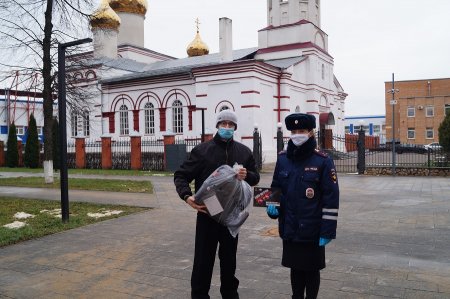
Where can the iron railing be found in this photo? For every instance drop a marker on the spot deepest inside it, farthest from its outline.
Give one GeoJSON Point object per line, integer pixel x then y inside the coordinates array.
{"type": "Point", "coordinates": [121, 154]}
{"type": "Point", "coordinates": [152, 154]}
{"type": "Point", "coordinates": [93, 150]}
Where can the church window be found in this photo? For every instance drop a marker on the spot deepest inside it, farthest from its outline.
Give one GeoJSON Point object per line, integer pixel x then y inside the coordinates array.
{"type": "Point", "coordinates": [123, 120]}
{"type": "Point", "coordinates": [149, 118]}
{"type": "Point", "coordinates": [177, 117]}
{"type": "Point", "coordinates": [297, 109]}
{"type": "Point", "coordinates": [86, 130]}
{"type": "Point", "coordinates": [74, 123]}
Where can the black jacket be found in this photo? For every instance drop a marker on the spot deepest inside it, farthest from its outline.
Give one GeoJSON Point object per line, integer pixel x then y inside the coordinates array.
{"type": "Point", "coordinates": [207, 157]}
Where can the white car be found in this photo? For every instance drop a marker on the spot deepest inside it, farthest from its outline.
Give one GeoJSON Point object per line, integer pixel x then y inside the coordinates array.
{"type": "Point", "coordinates": [434, 146]}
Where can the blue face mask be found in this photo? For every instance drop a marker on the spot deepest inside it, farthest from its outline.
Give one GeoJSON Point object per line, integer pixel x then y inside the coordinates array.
{"type": "Point", "coordinates": [226, 133]}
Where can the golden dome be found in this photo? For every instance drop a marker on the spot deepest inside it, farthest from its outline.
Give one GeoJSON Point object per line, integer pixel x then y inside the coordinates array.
{"type": "Point", "coordinates": [130, 6]}
{"type": "Point", "coordinates": [197, 47]}
{"type": "Point", "coordinates": [104, 17]}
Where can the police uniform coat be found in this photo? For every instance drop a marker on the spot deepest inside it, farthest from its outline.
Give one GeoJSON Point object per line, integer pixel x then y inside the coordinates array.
{"type": "Point", "coordinates": [309, 204]}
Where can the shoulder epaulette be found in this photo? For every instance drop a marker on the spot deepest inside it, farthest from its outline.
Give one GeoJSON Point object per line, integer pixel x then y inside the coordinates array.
{"type": "Point", "coordinates": [320, 153]}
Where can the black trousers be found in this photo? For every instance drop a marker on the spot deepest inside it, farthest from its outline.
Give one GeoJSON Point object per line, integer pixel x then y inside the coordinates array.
{"type": "Point", "coordinates": [208, 235]}
{"type": "Point", "coordinates": [301, 280]}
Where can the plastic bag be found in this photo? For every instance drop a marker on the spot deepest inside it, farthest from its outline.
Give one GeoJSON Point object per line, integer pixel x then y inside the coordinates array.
{"type": "Point", "coordinates": [228, 199]}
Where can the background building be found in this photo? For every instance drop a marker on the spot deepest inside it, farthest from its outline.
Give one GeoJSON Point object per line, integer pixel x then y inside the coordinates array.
{"type": "Point", "coordinates": [420, 108]}
{"type": "Point", "coordinates": [145, 93]}
{"type": "Point", "coordinates": [374, 125]}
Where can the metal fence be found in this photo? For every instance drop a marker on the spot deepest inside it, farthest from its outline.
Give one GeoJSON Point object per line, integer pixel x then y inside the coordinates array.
{"type": "Point", "coordinates": [71, 158]}
{"type": "Point", "coordinates": [152, 154]}
{"type": "Point", "coordinates": [408, 156]}
{"type": "Point", "coordinates": [121, 154]}
{"type": "Point", "coordinates": [190, 142]}
{"type": "Point", "coordinates": [93, 150]}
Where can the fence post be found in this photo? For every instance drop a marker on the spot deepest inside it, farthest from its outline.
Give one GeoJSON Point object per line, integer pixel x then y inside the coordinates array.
{"type": "Point", "coordinates": [80, 152]}
{"type": "Point", "coordinates": [280, 142]}
{"type": "Point", "coordinates": [169, 138]}
{"type": "Point", "coordinates": [135, 140]}
{"type": "Point", "coordinates": [2, 153]}
{"type": "Point", "coordinates": [20, 152]}
{"type": "Point", "coordinates": [257, 148]}
{"type": "Point", "coordinates": [106, 152]}
{"type": "Point", "coordinates": [361, 151]}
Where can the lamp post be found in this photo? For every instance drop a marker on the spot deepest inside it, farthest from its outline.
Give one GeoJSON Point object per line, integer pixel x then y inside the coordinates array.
{"type": "Point", "coordinates": [393, 102]}
{"type": "Point", "coordinates": [62, 121]}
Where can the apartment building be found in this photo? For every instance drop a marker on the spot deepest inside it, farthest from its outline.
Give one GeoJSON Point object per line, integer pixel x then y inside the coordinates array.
{"type": "Point", "coordinates": [417, 110]}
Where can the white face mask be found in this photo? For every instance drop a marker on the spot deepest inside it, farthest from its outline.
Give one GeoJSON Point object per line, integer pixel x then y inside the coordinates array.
{"type": "Point", "coordinates": [299, 139]}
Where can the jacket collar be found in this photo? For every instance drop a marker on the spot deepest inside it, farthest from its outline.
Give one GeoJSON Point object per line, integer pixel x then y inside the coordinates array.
{"type": "Point", "coordinates": [223, 143]}
{"type": "Point", "coordinates": [301, 152]}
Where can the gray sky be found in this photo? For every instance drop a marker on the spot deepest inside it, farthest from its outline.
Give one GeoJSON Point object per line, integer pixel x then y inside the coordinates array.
{"type": "Point", "coordinates": [369, 40]}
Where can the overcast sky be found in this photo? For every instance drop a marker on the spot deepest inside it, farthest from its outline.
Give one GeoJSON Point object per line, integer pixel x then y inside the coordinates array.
{"type": "Point", "coordinates": [369, 40]}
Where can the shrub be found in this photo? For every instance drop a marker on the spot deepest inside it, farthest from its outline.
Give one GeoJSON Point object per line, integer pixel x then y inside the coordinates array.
{"type": "Point", "coordinates": [444, 133]}
{"type": "Point", "coordinates": [12, 153]}
{"type": "Point", "coordinates": [31, 158]}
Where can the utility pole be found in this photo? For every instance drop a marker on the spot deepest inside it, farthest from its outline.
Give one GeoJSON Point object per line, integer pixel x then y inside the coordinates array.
{"type": "Point", "coordinates": [393, 102]}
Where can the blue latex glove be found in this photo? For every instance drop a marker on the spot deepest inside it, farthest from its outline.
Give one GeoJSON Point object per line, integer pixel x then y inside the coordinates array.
{"type": "Point", "coordinates": [324, 241]}
{"type": "Point", "coordinates": [272, 211]}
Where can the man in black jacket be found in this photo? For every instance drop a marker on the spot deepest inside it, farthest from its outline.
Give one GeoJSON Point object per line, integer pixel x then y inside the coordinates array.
{"type": "Point", "coordinates": [204, 159]}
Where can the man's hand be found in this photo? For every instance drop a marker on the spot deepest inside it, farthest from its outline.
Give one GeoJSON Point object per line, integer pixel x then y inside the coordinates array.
{"type": "Point", "coordinates": [242, 174]}
{"type": "Point", "coordinates": [201, 208]}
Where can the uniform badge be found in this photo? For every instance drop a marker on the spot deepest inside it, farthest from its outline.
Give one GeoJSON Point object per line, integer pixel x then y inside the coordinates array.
{"type": "Point", "coordinates": [333, 175]}
{"type": "Point", "coordinates": [309, 193]}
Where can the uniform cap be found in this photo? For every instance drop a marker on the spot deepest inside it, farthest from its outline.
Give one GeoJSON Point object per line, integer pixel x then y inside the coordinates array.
{"type": "Point", "coordinates": [227, 115]}
{"type": "Point", "coordinates": [300, 121]}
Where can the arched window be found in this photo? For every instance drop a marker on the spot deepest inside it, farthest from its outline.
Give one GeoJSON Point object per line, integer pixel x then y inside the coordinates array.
{"type": "Point", "coordinates": [297, 109]}
{"type": "Point", "coordinates": [86, 130]}
{"type": "Point", "coordinates": [177, 117]}
{"type": "Point", "coordinates": [74, 123]}
{"type": "Point", "coordinates": [149, 118]}
{"type": "Point", "coordinates": [123, 120]}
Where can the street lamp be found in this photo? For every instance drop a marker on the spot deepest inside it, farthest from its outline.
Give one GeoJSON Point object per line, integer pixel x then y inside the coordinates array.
{"type": "Point", "coordinates": [62, 121]}
{"type": "Point", "coordinates": [393, 102]}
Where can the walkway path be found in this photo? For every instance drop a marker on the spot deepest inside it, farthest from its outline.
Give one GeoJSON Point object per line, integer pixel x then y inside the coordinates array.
{"type": "Point", "coordinates": [393, 242]}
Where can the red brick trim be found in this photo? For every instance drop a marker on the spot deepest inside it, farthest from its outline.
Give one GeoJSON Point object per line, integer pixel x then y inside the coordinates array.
{"type": "Point", "coordinates": [250, 106]}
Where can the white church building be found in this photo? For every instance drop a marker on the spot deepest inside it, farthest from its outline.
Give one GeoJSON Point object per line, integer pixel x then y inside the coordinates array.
{"type": "Point", "coordinates": [146, 93]}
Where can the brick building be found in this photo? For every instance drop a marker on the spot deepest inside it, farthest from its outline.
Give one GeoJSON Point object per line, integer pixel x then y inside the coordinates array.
{"type": "Point", "coordinates": [421, 106]}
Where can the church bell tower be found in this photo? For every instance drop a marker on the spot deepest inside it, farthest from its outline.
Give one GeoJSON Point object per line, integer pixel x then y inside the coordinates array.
{"type": "Point", "coordinates": [284, 12]}
{"type": "Point", "coordinates": [292, 25]}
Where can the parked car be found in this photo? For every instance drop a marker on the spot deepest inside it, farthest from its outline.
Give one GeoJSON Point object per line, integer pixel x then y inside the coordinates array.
{"type": "Point", "coordinates": [434, 146]}
{"type": "Point", "coordinates": [410, 148]}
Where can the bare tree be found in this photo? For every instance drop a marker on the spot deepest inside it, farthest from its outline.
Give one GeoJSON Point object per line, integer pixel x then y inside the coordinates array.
{"type": "Point", "coordinates": [30, 31]}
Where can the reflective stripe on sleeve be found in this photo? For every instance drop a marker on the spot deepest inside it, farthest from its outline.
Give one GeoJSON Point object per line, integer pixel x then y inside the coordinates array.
{"type": "Point", "coordinates": [330, 210]}
{"type": "Point", "coordinates": [329, 217]}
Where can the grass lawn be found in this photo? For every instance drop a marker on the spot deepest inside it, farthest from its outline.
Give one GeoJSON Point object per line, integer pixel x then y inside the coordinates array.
{"type": "Point", "coordinates": [82, 184]}
{"type": "Point", "coordinates": [93, 171]}
{"type": "Point", "coordinates": [44, 222]}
